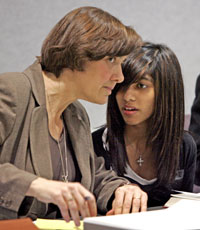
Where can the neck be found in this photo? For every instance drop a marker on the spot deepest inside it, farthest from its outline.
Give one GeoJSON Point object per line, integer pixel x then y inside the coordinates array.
{"type": "Point", "coordinates": [59, 94]}
{"type": "Point", "coordinates": [140, 156]}
{"type": "Point", "coordinates": [135, 134]}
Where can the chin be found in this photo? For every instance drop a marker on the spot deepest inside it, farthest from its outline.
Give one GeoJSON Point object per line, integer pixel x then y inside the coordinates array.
{"type": "Point", "coordinates": [131, 123]}
{"type": "Point", "coordinates": [97, 100]}
{"type": "Point", "coordinates": [101, 101]}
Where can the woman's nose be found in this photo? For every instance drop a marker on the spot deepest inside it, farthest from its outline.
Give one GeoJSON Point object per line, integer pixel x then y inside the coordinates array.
{"type": "Point", "coordinates": [118, 75]}
{"type": "Point", "coordinates": [129, 94]}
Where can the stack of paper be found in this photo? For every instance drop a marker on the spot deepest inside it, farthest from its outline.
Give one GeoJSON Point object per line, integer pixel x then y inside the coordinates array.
{"type": "Point", "coordinates": [187, 195]}
{"type": "Point", "coordinates": [181, 216]}
{"type": "Point", "coordinates": [182, 195]}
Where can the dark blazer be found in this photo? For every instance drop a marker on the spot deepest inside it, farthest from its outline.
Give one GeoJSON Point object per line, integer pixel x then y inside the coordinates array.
{"type": "Point", "coordinates": [24, 145]}
{"type": "Point", "coordinates": [194, 127]}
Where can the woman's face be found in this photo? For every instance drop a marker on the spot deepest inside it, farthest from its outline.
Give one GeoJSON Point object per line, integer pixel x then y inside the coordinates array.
{"type": "Point", "coordinates": [136, 103]}
{"type": "Point", "coordinates": [99, 78]}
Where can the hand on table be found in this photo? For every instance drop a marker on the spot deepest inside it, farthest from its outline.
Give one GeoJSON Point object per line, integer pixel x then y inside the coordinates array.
{"type": "Point", "coordinates": [71, 198]}
{"type": "Point", "coordinates": [128, 198]}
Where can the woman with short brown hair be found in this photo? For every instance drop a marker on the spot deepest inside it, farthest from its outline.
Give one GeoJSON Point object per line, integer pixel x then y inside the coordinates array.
{"type": "Point", "coordinates": [46, 151]}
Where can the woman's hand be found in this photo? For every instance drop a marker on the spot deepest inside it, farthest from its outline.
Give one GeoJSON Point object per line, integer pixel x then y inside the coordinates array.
{"type": "Point", "coordinates": [71, 198]}
{"type": "Point", "coordinates": [128, 198]}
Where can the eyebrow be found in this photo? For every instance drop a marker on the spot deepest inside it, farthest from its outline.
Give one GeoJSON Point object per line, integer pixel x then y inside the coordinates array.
{"type": "Point", "coordinates": [146, 77]}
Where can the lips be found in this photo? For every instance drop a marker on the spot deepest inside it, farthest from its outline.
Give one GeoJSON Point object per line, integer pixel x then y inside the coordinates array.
{"type": "Point", "coordinates": [130, 108]}
{"type": "Point", "coordinates": [109, 88]}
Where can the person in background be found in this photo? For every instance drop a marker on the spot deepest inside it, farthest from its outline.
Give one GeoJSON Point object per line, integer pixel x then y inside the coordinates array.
{"type": "Point", "coordinates": [143, 139]}
{"type": "Point", "coordinates": [194, 128]}
{"type": "Point", "coordinates": [47, 161]}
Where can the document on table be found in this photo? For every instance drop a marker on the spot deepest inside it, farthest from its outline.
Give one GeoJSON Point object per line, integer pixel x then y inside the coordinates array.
{"type": "Point", "coordinates": [186, 195]}
{"type": "Point", "coordinates": [182, 215]}
{"type": "Point", "coordinates": [180, 195]}
{"type": "Point", "coordinates": [57, 224]}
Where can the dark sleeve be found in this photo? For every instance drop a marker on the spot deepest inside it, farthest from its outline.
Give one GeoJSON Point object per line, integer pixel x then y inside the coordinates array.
{"type": "Point", "coordinates": [194, 127]}
{"type": "Point", "coordinates": [188, 162]}
{"type": "Point", "coordinates": [98, 146]}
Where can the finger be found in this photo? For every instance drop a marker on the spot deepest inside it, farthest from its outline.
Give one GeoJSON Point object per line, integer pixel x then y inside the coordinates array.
{"type": "Point", "coordinates": [136, 204]}
{"type": "Point", "coordinates": [110, 213]}
{"type": "Point", "coordinates": [118, 201]}
{"type": "Point", "coordinates": [81, 204]}
{"type": "Point", "coordinates": [127, 203]}
{"type": "Point", "coordinates": [137, 197]}
{"type": "Point", "coordinates": [143, 201]}
{"type": "Point", "coordinates": [90, 201]}
{"type": "Point", "coordinates": [73, 208]}
{"type": "Point", "coordinates": [61, 203]}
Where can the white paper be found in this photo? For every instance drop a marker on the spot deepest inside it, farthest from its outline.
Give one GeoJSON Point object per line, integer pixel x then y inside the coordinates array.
{"type": "Point", "coordinates": [181, 216]}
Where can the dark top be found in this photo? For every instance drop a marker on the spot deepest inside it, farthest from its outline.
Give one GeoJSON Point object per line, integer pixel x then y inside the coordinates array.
{"type": "Point", "coordinates": [159, 194]}
{"type": "Point", "coordinates": [72, 169]}
{"type": "Point", "coordinates": [194, 127]}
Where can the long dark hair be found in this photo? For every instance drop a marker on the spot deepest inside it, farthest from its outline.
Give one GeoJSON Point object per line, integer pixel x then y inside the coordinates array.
{"type": "Point", "coordinates": [166, 124]}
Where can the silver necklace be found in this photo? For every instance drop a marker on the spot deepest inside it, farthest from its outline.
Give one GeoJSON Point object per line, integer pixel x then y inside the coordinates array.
{"type": "Point", "coordinates": [139, 160]}
{"type": "Point", "coordinates": [64, 170]}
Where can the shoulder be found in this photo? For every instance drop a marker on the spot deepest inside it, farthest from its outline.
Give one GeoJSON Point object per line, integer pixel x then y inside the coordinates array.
{"type": "Point", "coordinates": [198, 81]}
{"type": "Point", "coordinates": [76, 105]}
{"type": "Point", "coordinates": [14, 82]}
{"type": "Point", "coordinates": [77, 109]}
{"type": "Point", "coordinates": [96, 135]}
{"type": "Point", "coordinates": [11, 77]}
{"type": "Point", "coordinates": [16, 87]}
{"type": "Point", "coordinates": [100, 141]}
{"type": "Point", "coordinates": [188, 147]}
{"type": "Point", "coordinates": [100, 138]}
{"type": "Point", "coordinates": [188, 140]}
{"type": "Point", "coordinates": [14, 94]}
{"type": "Point", "coordinates": [197, 89]}
{"type": "Point", "coordinates": [76, 113]}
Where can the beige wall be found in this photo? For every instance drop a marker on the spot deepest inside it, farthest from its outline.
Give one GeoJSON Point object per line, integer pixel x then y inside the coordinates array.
{"type": "Point", "coordinates": [25, 23]}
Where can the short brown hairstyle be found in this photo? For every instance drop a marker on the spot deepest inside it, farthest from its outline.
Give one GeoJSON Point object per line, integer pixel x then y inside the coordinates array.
{"type": "Point", "coordinates": [85, 34]}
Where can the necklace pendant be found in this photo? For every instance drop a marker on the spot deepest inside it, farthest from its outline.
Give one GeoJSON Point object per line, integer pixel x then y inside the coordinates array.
{"type": "Point", "coordinates": [65, 178]}
{"type": "Point", "coordinates": [140, 161]}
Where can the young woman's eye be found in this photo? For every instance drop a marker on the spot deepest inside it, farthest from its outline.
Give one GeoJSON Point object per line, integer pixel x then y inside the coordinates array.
{"type": "Point", "coordinates": [141, 86]}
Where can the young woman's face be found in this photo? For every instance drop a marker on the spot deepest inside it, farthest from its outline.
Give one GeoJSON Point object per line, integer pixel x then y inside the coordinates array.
{"type": "Point", "coordinates": [99, 78]}
{"type": "Point", "coordinates": [136, 103]}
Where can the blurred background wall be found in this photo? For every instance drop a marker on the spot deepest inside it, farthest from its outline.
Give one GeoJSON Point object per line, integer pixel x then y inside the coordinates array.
{"type": "Point", "coordinates": [25, 23]}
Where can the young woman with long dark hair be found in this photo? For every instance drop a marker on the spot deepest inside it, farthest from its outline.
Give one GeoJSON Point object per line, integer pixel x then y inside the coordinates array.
{"type": "Point", "coordinates": [144, 139]}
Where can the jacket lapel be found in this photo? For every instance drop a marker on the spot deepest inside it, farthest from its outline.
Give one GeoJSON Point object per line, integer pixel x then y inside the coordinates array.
{"type": "Point", "coordinates": [80, 143]}
{"type": "Point", "coordinates": [34, 74]}
{"type": "Point", "coordinates": [39, 142]}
